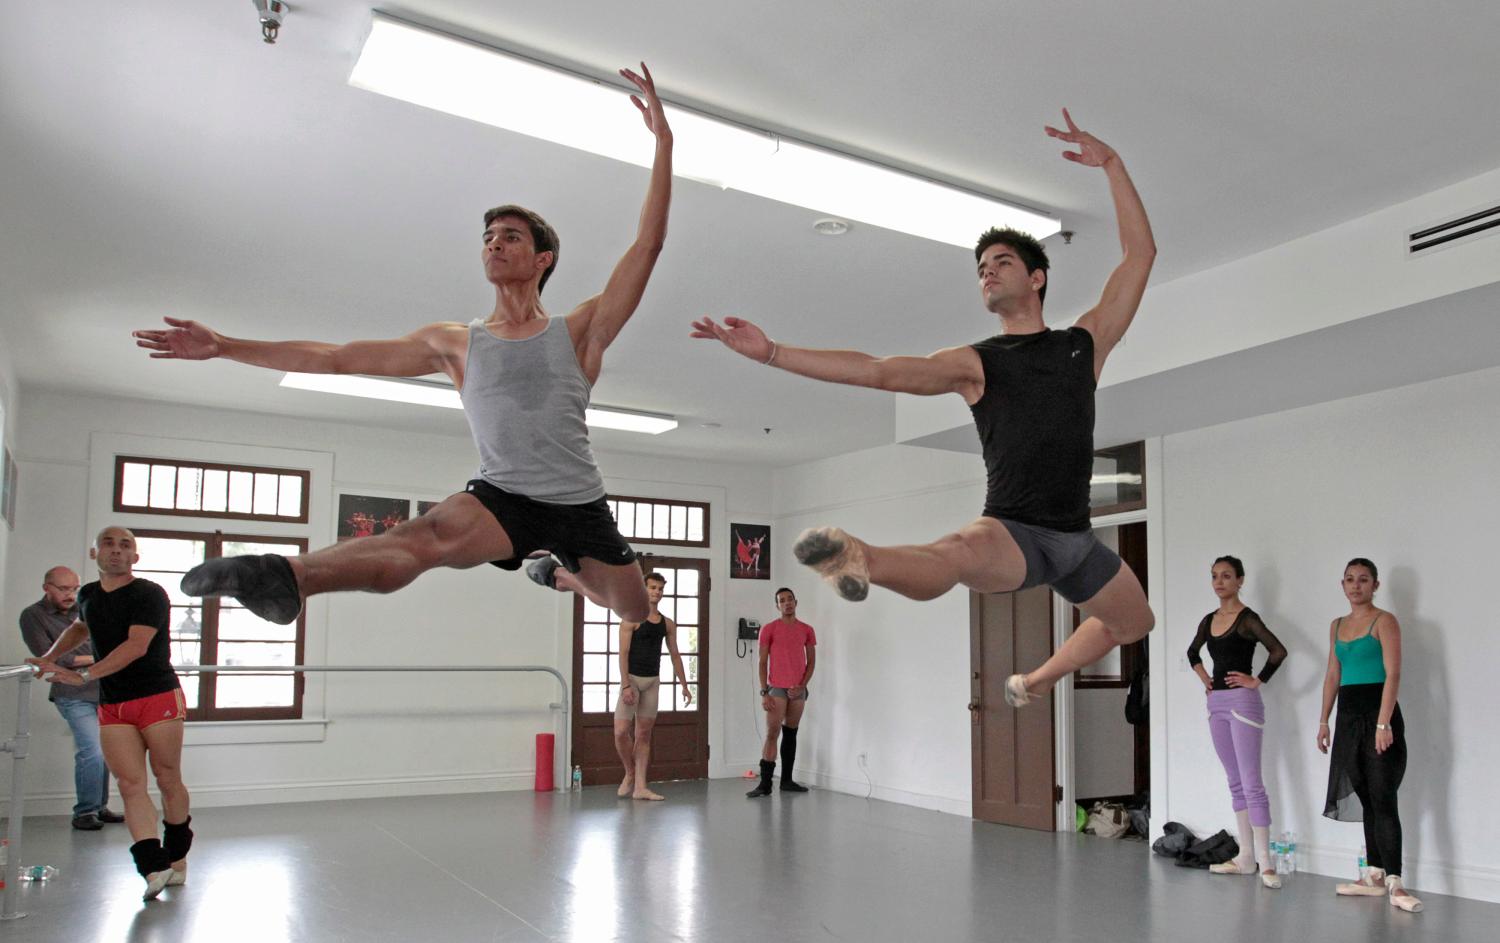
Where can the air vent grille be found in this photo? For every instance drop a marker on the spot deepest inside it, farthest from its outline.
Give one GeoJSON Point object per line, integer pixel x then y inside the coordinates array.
{"type": "Point", "coordinates": [1443, 235]}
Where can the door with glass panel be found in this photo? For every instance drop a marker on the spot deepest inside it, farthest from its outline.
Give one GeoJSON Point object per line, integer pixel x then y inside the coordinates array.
{"type": "Point", "coordinates": [679, 746]}
{"type": "Point", "coordinates": [221, 632]}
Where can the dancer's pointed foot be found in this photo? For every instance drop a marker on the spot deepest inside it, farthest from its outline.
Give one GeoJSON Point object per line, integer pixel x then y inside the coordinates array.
{"type": "Point", "coordinates": [838, 558]}
{"type": "Point", "coordinates": [263, 583]}
{"type": "Point", "coordinates": [543, 571]}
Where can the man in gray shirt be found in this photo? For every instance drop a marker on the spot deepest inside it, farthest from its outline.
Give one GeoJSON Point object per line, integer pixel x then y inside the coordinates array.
{"type": "Point", "coordinates": [41, 623]}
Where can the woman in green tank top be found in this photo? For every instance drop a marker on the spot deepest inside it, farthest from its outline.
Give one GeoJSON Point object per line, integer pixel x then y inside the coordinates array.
{"type": "Point", "coordinates": [1369, 738]}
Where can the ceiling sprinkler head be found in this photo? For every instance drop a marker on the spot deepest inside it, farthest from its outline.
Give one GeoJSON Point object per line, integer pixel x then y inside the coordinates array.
{"type": "Point", "coordinates": [272, 12]}
{"type": "Point", "coordinates": [831, 227]}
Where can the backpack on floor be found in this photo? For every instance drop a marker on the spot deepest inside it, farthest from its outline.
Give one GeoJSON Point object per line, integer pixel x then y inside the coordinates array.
{"type": "Point", "coordinates": [1215, 849]}
{"type": "Point", "coordinates": [1108, 820]}
{"type": "Point", "coordinates": [1176, 838]}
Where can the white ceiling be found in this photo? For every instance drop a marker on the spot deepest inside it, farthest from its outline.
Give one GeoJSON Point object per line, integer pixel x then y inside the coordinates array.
{"type": "Point", "coordinates": [159, 159]}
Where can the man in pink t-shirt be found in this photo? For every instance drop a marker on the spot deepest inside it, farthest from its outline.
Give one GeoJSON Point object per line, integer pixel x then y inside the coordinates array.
{"type": "Point", "coordinates": [788, 654]}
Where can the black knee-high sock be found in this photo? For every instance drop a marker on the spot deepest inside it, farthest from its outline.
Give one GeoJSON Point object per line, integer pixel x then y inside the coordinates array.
{"type": "Point", "coordinates": [177, 839]}
{"type": "Point", "coordinates": [767, 770]}
{"type": "Point", "coordinates": [149, 856]}
{"type": "Point", "coordinates": [788, 752]}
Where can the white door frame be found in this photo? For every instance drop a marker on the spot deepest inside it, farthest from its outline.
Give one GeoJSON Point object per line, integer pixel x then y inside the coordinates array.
{"type": "Point", "coordinates": [1063, 708]}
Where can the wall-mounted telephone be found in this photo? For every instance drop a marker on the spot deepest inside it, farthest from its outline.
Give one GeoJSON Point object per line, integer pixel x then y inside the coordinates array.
{"type": "Point", "coordinates": [749, 630]}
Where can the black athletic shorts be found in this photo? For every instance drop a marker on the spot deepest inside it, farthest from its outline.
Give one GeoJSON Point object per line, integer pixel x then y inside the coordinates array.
{"type": "Point", "coordinates": [1074, 563]}
{"type": "Point", "coordinates": [569, 532]}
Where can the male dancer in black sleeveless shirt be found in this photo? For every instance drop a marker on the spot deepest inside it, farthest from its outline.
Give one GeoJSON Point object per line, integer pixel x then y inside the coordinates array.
{"type": "Point", "coordinates": [141, 707]}
{"type": "Point", "coordinates": [640, 688]}
{"type": "Point", "coordinates": [1031, 391]}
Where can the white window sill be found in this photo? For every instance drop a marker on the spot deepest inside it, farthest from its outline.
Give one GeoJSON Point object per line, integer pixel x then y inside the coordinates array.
{"type": "Point", "coordinates": [208, 733]}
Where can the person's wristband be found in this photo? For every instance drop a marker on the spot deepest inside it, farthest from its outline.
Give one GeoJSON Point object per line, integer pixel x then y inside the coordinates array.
{"type": "Point", "coordinates": [1382, 726]}
{"type": "Point", "coordinates": [84, 674]}
{"type": "Point", "coordinates": [771, 359]}
{"type": "Point", "coordinates": [1322, 723]}
{"type": "Point", "coordinates": [765, 692]}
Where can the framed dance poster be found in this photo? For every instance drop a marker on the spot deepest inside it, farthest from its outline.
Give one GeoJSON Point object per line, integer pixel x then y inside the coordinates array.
{"type": "Point", "coordinates": [750, 546]}
{"type": "Point", "coordinates": [363, 515]}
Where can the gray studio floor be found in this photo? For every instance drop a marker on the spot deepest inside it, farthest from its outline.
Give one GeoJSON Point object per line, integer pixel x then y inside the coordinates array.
{"type": "Point", "coordinates": [708, 865]}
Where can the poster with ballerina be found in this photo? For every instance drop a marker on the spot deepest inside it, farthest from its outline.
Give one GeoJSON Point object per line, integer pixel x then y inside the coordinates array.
{"type": "Point", "coordinates": [750, 547]}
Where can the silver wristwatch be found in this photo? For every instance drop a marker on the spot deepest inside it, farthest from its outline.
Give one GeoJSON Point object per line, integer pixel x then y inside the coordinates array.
{"type": "Point", "coordinates": [84, 674]}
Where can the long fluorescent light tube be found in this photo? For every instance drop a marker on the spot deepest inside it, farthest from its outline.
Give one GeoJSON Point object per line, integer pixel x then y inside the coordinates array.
{"type": "Point", "coordinates": [483, 84]}
{"type": "Point", "coordinates": [428, 393]}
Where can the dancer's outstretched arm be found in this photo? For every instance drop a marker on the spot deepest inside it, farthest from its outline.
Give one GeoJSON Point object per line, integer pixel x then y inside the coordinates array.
{"type": "Point", "coordinates": [1108, 320]}
{"type": "Point", "coordinates": [436, 348]}
{"type": "Point", "coordinates": [952, 370]}
{"type": "Point", "coordinates": [596, 322]}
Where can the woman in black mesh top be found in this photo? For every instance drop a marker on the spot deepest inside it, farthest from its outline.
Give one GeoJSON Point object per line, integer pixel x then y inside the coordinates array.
{"type": "Point", "coordinates": [1236, 715]}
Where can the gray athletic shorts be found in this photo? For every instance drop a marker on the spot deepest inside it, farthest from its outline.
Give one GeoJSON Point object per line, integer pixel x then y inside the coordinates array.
{"type": "Point", "coordinates": [1074, 563]}
{"type": "Point", "coordinates": [786, 693]}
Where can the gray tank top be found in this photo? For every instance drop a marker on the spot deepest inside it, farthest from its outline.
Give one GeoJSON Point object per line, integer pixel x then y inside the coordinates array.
{"type": "Point", "coordinates": [525, 400]}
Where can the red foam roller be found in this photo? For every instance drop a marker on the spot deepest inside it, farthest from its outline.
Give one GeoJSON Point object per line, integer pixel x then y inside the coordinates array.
{"type": "Point", "coordinates": [545, 743]}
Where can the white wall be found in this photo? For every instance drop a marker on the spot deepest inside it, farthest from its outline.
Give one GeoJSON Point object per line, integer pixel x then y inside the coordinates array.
{"type": "Point", "coordinates": [891, 679]}
{"type": "Point", "coordinates": [1406, 477]}
{"type": "Point", "coordinates": [8, 422]}
{"type": "Point", "coordinates": [374, 734]}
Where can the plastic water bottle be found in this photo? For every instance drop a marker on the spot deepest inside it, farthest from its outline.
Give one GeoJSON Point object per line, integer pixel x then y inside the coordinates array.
{"type": "Point", "coordinates": [38, 873]}
{"type": "Point", "coordinates": [1291, 852]}
{"type": "Point", "coordinates": [578, 779]}
{"type": "Point", "coordinates": [1280, 854]}
{"type": "Point", "coordinates": [1364, 865]}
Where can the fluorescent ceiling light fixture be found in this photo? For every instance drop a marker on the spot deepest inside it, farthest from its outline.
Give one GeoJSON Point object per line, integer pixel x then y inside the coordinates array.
{"type": "Point", "coordinates": [483, 84]}
{"type": "Point", "coordinates": [433, 393]}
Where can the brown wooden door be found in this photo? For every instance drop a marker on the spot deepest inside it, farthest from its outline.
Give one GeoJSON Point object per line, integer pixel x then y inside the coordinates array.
{"type": "Point", "coordinates": [679, 745]}
{"type": "Point", "coordinates": [1014, 778]}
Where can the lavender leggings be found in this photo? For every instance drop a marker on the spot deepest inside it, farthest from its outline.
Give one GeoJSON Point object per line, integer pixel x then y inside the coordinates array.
{"type": "Point", "coordinates": [1237, 720]}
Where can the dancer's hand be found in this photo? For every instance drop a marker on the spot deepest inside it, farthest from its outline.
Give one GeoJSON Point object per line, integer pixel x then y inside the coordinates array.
{"type": "Point", "coordinates": [650, 108]}
{"type": "Point", "coordinates": [1324, 736]}
{"type": "Point", "coordinates": [1238, 679]}
{"type": "Point", "coordinates": [51, 671]}
{"type": "Point", "coordinates": [765, 704]}
{"type": "Point", "coordinates": [629, 695]}
{"type": "Point", "coordinates": [183, 340]}
{"type": "Point", "coordinates": [1091, 152]}
{"type": "Point", "coordinates": [687, 695]}
{"type": "Point", "coordinates": [737, 334]}
{"type": "Point", "coordinates": [1384, 739]}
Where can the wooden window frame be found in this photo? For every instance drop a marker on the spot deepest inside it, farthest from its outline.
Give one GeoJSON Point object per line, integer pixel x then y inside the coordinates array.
{"type": "Point", "coordinates": [209, 607]}
{"type": "Point", "coordinates": [669, 503]}
{"type": "Point", "coordinates": [121, 507]}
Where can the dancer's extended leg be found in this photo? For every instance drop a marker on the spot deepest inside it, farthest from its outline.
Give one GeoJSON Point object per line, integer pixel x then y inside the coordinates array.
{"type": "Point", "coordinates": [982, 556]}
{"type": "Point", "coordinates": [460, 532]}
{"type": "Point", "coordinates": [1117, 615]}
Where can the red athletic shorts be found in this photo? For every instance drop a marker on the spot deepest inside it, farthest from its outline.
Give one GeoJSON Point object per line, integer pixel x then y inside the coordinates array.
{"type": "Point", "coordinates": [143, 712]}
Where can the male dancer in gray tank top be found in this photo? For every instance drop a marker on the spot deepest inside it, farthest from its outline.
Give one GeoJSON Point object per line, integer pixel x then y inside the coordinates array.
{"type": "Point", "coordinates": [524, 381]}
{"type": "Point", "coordinates": [1031, 391]}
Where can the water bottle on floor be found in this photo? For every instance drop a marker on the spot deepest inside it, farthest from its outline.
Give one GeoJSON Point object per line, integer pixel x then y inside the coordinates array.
{"type": "Point", "coordinates": [1280, 855]}
{"type": "Point", "coordinates": [1364, 865]}
{"type": "Point", "coordinates": [578, 779]}
{"type": "Point", "coordinates": [38, 873]}
{"type": "Point", "coordinates": [1291, 852]}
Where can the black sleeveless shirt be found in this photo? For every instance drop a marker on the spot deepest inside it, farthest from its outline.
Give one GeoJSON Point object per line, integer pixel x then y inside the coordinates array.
{"type": "Point", "coordinates": [645, 648]}
{"type": "Point", "coordinates": [1036, 426]}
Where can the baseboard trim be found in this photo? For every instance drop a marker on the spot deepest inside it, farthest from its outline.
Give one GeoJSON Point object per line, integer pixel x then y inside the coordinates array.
{"type": "Point", "coordinates": [864, 790]}
{"type": "Point", "coordinates": [317, 791]}
{"type": "Point", "coordinates": [1437, 877]}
